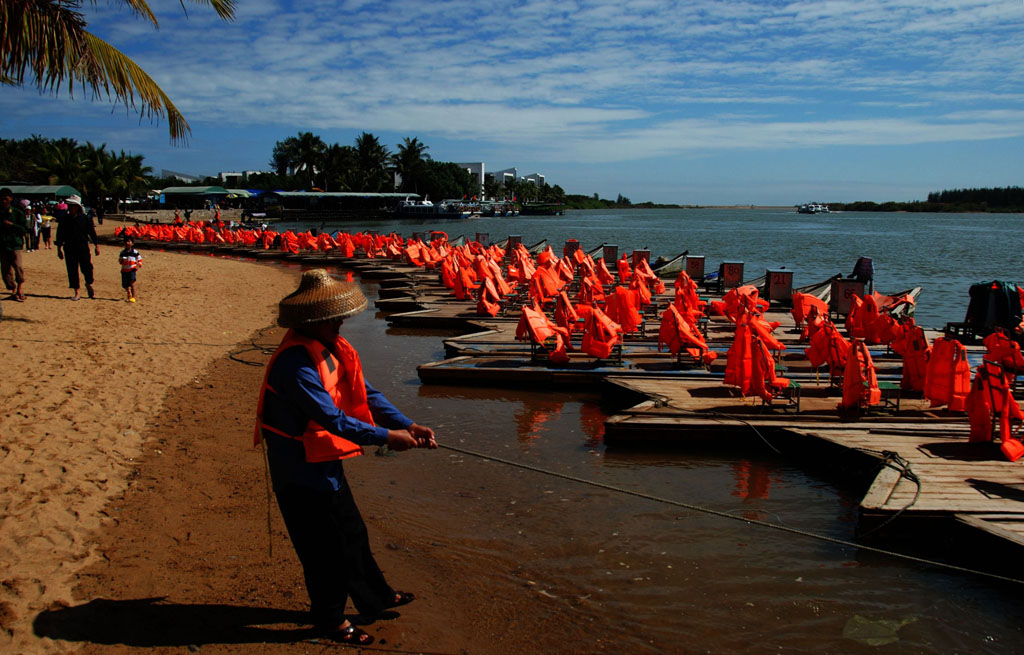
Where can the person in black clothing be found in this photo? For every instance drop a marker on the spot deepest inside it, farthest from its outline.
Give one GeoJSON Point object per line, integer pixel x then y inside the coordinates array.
{"type": "Point", "coordinates": [74, 232]}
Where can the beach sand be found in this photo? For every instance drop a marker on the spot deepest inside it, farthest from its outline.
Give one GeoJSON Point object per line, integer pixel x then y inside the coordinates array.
{"type": "Point", "coordinates": [82, 384]}
{"type": "Point", "coordinates": [135, 507]}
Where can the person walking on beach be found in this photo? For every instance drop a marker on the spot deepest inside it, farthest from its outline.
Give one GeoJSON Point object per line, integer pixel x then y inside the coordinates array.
{"type": "Point", "coordinates": [45, 229]}
{"type": "Point", "coordinates": [315, 410]}
{"type": "Point", "coordinates": [130, 261]}
{"type": "Point", "coordinates": [13, 228]}
{"type": "Point", "coordinates": [74, 232]}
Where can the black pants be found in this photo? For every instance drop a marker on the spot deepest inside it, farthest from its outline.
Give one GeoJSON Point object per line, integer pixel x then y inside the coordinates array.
{"type": "Point", "coordinates": [78, 257]}
{"type": "Point", "coordinates": [331, 541]}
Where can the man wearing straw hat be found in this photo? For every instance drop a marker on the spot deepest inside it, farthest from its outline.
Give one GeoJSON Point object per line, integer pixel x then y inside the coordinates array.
{"type": "Point", "coordinates": [315, 410]}
{"type": "Point", "coordinates": [74, 232]}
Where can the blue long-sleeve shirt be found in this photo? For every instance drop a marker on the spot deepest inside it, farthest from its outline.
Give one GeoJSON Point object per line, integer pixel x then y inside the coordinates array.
{"type": "Point", "coordinates": [299, 396]}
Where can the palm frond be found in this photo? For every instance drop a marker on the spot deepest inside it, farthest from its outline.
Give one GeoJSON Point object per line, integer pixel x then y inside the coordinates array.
{"type": "Point", "coordinates": [139, 8]}
{"type": "Point", "coordinates": [104, 68]}
{"type": "Point", "coordinates": [224, 8]}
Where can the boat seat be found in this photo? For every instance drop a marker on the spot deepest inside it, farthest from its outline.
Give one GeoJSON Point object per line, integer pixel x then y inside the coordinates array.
{"type": "Point", "coordinates": [790, 394]}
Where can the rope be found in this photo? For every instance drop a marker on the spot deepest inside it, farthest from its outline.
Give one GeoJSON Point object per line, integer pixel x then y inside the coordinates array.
{"type": "Point", "coordinates": [749, 521]}
{"type": "Point", "coordinates": [266, 482]}
{"type": "Point", "coordinates": [264, 349]}
{"type": "Point", "coordinates": [893, 460]}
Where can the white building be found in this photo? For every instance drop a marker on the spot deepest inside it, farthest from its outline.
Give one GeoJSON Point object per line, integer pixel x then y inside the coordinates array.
{"type": "Point", "coordinates": [236, 178]}
{"type": "Point", "coordinates": [476, 169]}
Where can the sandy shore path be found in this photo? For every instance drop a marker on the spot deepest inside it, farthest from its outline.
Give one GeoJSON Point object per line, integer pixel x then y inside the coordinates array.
{"type": "Point", "coordinates": [82, 382]}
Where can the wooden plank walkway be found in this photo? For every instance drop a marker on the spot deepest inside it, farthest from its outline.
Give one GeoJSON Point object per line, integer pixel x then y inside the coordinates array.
{"type": "Point", "coordinates": [950, 479]}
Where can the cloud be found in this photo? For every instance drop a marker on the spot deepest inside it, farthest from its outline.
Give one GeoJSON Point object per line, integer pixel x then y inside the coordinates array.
{"type": "Point", "coordinates": [588, 80]}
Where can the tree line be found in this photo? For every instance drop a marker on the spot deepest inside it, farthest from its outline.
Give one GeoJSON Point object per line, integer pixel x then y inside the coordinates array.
{"type": "Point", "coordinates": [307, 162]}
{"type": "Point", "coordinates": [96, 172]}
{"type": "Point", "coordinates": [302, 162]}
{"type": "Point", "coordinates": [997, 200]}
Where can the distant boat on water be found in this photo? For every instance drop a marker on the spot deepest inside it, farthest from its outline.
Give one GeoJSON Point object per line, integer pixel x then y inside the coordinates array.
{"type": "Point", "coordinates": [813, 208]}
{"type": "Point", "coordinates": [426, 209]}
{"type": "Point", "coordinates": [542, 209]}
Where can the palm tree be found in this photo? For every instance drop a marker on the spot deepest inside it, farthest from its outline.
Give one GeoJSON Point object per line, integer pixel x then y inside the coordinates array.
{"type": "Point", "coordinates": [62, 162]}
{"type": "Point", "coordinates": [45, 43]}
{"type": "Point", "coordinates": [408, 162]}
{"type": "Point", "coordinates": [307, 157]}
{"type": "Point", "coordinates": [372, 159]}
{"type": "Point", "coordinates": [283, 155]}
{"type": "Point", "coordinates": [339, 167]}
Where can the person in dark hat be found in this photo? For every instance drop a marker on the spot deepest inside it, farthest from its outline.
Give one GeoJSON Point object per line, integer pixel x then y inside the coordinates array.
{"type": "Point", "coordinates": [315, 410]}
{"type": "Point", "coordinates": [74, 232]}
{"type": "Point", "coordinates": [13, 228]}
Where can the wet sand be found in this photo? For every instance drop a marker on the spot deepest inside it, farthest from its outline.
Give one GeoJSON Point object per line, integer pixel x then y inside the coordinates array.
{"type": "Point", "coordinates": [135, 509]}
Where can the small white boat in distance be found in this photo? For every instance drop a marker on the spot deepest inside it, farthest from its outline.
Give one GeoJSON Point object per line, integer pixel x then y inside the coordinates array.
{"type": "Point", "coordinates": [813, 208]}
{"type": "Point", "coordinates": [425, 209]}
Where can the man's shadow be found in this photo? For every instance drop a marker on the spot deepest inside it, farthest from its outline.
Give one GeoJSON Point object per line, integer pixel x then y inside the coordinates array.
{"type": "Point", "coordinates": [151, 622]}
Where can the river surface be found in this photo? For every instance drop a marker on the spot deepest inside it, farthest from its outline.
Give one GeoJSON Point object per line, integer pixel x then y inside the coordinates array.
{"type": "Point", "coordinates": [943, 253]}
{"type": "Point", "coordinates": [678, 581]}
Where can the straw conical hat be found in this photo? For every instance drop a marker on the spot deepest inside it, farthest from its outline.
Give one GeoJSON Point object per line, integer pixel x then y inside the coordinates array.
{"type": "Point", "coordinates": [320, 298]}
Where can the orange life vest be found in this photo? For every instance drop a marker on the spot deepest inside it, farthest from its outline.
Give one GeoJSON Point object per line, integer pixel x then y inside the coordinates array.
{"type": "Point", "coordinates": [860, 384]}
{"type": "Point", "coordinates": [991, 399]}
{"type": "Point", "coordinates": [343, 381]}
{"type": "Point", "coordinates": [947, 378]}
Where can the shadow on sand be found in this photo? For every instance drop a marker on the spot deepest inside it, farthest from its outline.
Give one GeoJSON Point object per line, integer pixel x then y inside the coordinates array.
{"type": "Point", "coordinates": [151, 622]}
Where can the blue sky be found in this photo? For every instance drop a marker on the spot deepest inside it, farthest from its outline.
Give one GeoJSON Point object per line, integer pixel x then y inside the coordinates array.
{"type": "Point", "coordinates": [680, 102]}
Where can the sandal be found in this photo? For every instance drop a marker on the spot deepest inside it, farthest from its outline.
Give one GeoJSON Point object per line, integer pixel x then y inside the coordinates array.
{"type": "Point", "coordinates": [403, 598]}
{"type": "Point", "coordinates": [353, 635]}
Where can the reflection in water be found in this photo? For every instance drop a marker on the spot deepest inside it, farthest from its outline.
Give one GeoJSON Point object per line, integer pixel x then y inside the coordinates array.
{"type": "Point", "coordinates": [592, 420]}
{"type": "Point", "coordinates": [532, 417]}
{"type": "Point", "coordinates": [753, 480]}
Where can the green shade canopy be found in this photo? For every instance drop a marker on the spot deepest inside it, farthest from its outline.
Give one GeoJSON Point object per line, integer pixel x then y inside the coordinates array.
{"type": "Point", "coordinates": [47, 190]}
{"type": "Point", "coordinates": [195, 191]}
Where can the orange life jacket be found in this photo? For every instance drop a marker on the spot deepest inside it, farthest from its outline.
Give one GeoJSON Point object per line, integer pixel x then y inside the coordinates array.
{"type": "Point", "coordinates": [915, 358]}
{"type": "Point", "coordinates": [342, 379]}
{"type": "Point", "coordinates": [534, 325]}
{"type": "Point", "coordinates": [621, 308]}
{"type": "Point", "coordinates": [860, 384]}
{"type": "Point", "coordinates": [600, 334]}
{"type": "Point", "coordinates": [802, 304]}
{"type": "Point", "coordinates": [625, 273]}
{"type": "Point", "coordinates": [947, 379]}
{"type": "Point", "coordinates": [488, 300]}
{"type": "Point", "coordinates": [763, 380]}
{"type": "Point", "coordinates": [991, 397]}
{"type": "Point", "coordinates": [738, 362]}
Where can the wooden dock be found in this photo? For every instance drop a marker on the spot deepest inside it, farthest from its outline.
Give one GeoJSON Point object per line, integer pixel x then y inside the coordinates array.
{"type": "Point", "coordinates": [940, 476]}
{"type": "Point", "coordinates": [926, 469]}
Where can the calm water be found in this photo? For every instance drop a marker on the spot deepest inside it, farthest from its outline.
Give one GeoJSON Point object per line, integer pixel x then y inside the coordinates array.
{"type": "Point", "coordinates": [669, 580]}
{"type": "Point", "coordinates": [944, 253]}
{"type": "Point", "coordinates": [673, 581]}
